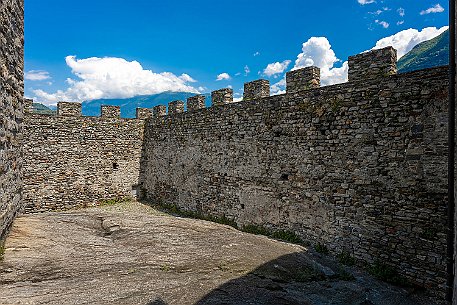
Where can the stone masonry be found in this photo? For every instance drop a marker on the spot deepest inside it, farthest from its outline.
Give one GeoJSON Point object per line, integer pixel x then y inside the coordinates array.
{"type": "Point", "coordinates": [11, 109]}
{"type": "Point", "coordinates": [358, 167]}
{"type": "Point", "coordinates": [73, 161]}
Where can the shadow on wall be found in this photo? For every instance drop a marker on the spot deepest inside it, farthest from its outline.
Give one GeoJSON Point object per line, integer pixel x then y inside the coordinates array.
{"type": "Point", "coordinates": [302, 279]}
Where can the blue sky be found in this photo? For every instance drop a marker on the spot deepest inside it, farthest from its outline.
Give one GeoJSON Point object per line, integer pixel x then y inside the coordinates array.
{"type": "Point", "coordinates": [79, 50]}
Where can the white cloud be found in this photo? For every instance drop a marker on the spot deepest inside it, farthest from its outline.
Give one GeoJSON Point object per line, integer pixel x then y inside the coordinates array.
{"type": "Point", "coordinates": [257, 53]}
{"type": "Point", "coordinates": [112, 77]}
{"type": "Point", "coordinates": [382, 23]}
{"type": "Point", "coordinates": [246, 70]}
{"type": "Point", "coordinates": [318, 52]}
{"type": "Point", "coordinates": [186, 78]}
{"type": "Point", "coordinates": [400, 22]}
{"type": "Point", "coordinates": [405, 40]}
{"type": "Point", "coordinates": [279, 87]}
{"type": "Point", "coordinates": [437, 8]}
{"type": "Point", "coordinates": [37, 75]}
{"type": "Point", "coordinates": [223, 76]}
{"type": "Point", "coordinates": [401, 12]}
{"type": "Point", "coordinates": [363, 2]}
{"type": "Point", "coordinates": [276, 68]}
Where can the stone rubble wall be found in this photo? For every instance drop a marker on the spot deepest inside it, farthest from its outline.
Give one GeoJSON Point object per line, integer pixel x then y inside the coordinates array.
{"type": "Point", "coordinates": [11, 109]}
{"type": "Point", "coordinates": [76, 161]}
{"type": "Point", "coordinates": [358, 167]}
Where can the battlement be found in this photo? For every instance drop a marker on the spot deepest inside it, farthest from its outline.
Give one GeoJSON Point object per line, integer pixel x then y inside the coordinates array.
{"type": "Point", "coordinates": [110, 111]}
{"type": "Point", "coordinates": [69, 109]}
{"type": "Point", "coordinates": [373, 64]}
{"type": "Point", "coordinates": [176, 107]}
{"type": "Point", "coordinates": [303, 79]}
{"type": "Point", "coordinates": [73, 109]}
{"type": "Point", "coordinates": [256, 89]}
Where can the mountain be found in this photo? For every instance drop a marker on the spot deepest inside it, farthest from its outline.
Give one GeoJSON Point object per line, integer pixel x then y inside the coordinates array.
{"type": "Point", "coordinates": [427, 54]}
{"type": "Point", "coordinates": [42, 109]}
{"type": "Point", "coordinates": [129, 105]}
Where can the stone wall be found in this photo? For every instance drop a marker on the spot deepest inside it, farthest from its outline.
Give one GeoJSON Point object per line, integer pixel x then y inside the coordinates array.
{"type": "Point", "coordinates": [358, 167]}
{"type": "Point", "coordinates": [11, 109]}
{"type": "Point", "coordinates": [72, 161]}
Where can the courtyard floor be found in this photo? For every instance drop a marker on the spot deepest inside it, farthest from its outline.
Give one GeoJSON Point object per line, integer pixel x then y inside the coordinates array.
{"type": "Point", "coordinates": [130, 253]}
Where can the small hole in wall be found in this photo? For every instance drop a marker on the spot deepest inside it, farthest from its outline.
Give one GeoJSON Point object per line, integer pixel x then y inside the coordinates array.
{"type": "Point", "coordinates": [115, 165]}
{"type": "Point", "coordinates": [242, 206]}
{"type": "Point", "coordinates": [284, 177]}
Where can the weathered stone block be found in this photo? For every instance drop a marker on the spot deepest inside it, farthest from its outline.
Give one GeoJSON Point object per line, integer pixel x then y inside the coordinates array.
{"type": "Point", "coordinates": [110, 111]}
{"type": "Point", "coordinates": [256, 89]}
{"type": "Point", "coordinates": [68, 109]}
{"type": "Point", "coordinates": [143, 113]}
{"type": "Point", "coordinates": [222, 96]}
{"type": "Point", "coordinates": [196, 102]}
{"type": "Point", "coordinates": [159, 110]}
{"type": "Point", "coordinates": [303, 79]}
{"type": "Point", "coordinates": [373, 64]}
{"type": "Point", "coordinates": [175, 107]}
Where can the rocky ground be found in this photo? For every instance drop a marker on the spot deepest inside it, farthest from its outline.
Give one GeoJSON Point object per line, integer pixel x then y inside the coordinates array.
{"type": "Point", "coordinates": [130, 253]}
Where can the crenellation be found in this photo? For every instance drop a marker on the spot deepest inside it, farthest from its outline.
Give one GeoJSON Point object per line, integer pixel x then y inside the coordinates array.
{"type": "Point", "coordinates": [256, 89]}
{"type": "Point", "coordinates": [374, 64]}
{"type": "Point", "coordinates": [110, 111]}
{"type": "Point", "coordinates": [143, 113]}
{"type": "Point", "coordinates": [69, 109]}
{"type": "Point", "coordinates": [159, 110]}
{"type": "Point", "coordinates": [303, 79]}
{"type": "Point", "coordinates": [175, 107]}
{"type": "Point", "coordinates": [196, 102]}
{"type": "Point", "coordinates": [222, 96]}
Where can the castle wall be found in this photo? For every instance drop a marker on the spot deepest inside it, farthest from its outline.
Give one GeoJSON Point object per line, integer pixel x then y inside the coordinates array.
{"type": "Point", "coordinates": [11, 109]}
{"type": "Point", "coordinates": [359, 167]}
{"type": "Point", "coordinates": [75, 161]}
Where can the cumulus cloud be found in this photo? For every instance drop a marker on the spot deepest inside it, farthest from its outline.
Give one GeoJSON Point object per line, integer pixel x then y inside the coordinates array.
{"type": "Point", "coordinates": [437, 8]}
{"type": "Point", "coordinates": [112, 77]}
{"type": "Point", "coordinates": [256, 53]}
{"type": "Point", "coordinates": [318, 52]}
{"type": "Point", "coordinates": [382, 23]}
{"type": "Point", "coordinates": [279, 87]}
{"type": "Point", "coordinates": [37, 75]}
{"type": "Point", "coordinates": [223, 76]}
{"type": "Point", "coordinates": [363, 2]}
{"type": "Point", "coordinates": [276, 68]}
{"type": "Point", "coordinates": [186, 78]}
{"type": "Point", "coordinates": [401, 12]}
{"type": "Point", "coordinates": [405, 40]}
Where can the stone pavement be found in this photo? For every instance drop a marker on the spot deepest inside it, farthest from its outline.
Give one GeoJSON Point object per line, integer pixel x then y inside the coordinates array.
{"type": "Point", "coordinates": [130, 253]}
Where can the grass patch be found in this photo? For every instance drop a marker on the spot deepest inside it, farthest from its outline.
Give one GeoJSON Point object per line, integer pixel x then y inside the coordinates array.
{"type": "Point", "coordinates": [386, 273]}
{"type": "Point", "coordinates": [345, 258]}
{"type": "Point", "coordinates": [113, 201]}
{"type": "Point", "coordinates": [322, 249]}
{"type": "Point", "coordinates": [255, 229]}
{"type": "Point", "coordinates": [288, 236]}
{"type": "Point", "coordinates": [175, 210]}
